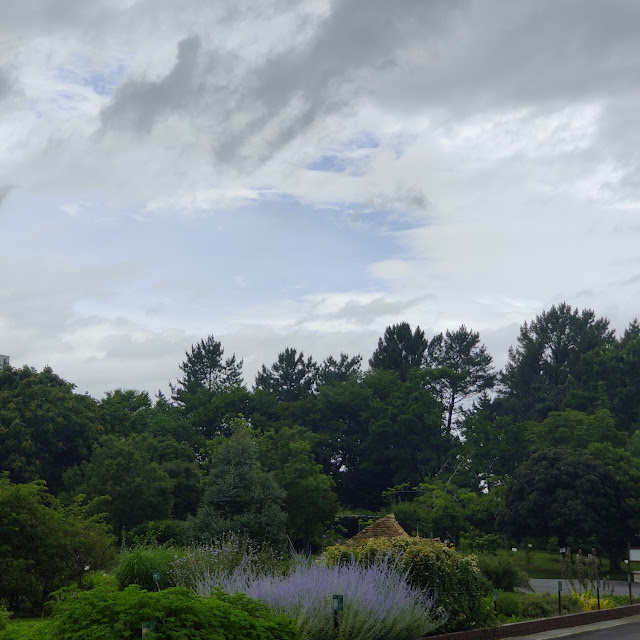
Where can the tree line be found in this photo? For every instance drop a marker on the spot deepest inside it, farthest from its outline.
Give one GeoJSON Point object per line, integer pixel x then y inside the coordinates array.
{"type": "Point", "coordinates": [548, 448]}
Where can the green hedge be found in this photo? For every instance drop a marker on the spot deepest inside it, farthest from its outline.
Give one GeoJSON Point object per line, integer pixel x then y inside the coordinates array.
{"type": "Point", "coordinates": [453, 579]}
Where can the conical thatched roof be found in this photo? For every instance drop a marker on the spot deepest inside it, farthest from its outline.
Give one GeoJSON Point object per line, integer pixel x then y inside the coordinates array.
{"type": "Point", "coordinates": [386, 527]}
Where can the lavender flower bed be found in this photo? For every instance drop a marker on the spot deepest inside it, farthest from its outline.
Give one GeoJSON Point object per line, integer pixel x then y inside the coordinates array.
{"type": "Point", "coordinates": [379, 603]}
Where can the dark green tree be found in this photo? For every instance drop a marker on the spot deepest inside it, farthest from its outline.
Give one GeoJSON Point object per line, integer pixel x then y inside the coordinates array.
{"type": "Point", "coordinates": [333, 371]}
{"type": "Point", "coordinates": [290, 378]}
{"type": "Point", "coordinates": [311, 503]}
{"type": "Point", "coordinates": [462, 369]}
{"type": "Point", "coordinates": [609, 380]}
{"type": "Point", "coordinates": [240, 497]}
{"type": "Point", "coordinates": [206, 368]}
{"type": "Point", "coordinates": [567, 494]}
{"type": "Point", "coordinates": [548, 356]}
{"type": "Point", "coordinates": [125, 412]}
{"type": "Point", "coordinates": [44, 546]}
{"type": "Point", "coordinates": [45, 427]}
{"type": "Point", "coordinates": [134, 485]}
{"type": "Point", "coordinates": [381, 431]}
{"type": "Point", "coordinates": [400, 350]}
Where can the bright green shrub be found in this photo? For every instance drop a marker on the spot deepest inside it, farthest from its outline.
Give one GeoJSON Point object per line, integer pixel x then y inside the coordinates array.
{"type": "Point", "coordinates": [503, 572]}
{"type": "Point", "coordinates": [179, 614]}
{"type": "Point", "coordinates": [27, 630]}
{"type": "Point", "coordinates": [509, 604]}
{"type": "Point", "coordinates": [137, 566]}
{"type": "Point", "coordinates": [98, 579]}
{"type": "Point", "coordinates": [454, 580]}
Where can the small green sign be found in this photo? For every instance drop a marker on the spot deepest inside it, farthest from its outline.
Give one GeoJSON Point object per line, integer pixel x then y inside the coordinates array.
{"type": "Point", "coordinates": [148, 627]}
{"type": "Point", "coordinates": [157, 576]}
{"type": "Point", "coordinates": [559, 586]}
{"type": "Point", "coordinates": [337, 603]}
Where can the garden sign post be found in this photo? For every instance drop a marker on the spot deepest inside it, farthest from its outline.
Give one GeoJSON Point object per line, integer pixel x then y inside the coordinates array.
{"type": "Point", "coordinates": [559, 598]}
{"type": "Point", "coordinates": [337, 604]}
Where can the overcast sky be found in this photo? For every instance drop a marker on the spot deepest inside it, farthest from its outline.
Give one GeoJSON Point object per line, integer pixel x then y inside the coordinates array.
{"type": "Point", "coordinates": [306, 172]}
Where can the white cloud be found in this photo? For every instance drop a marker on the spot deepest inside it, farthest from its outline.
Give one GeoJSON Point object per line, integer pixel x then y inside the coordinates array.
{"type": "Point", "coordinates": [305, 173]}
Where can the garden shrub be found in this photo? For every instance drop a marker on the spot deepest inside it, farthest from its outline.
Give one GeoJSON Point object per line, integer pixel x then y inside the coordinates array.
{"type": "Point", "coordinates": [98, 579]}
{"type": "Point", "coordinates": [509, 604]}
{"type": "Point", "coordinates": [545, 605]}
{"type": "Point", "coordinates": [454, 580]}
{"type": "Point", "coordinates": [138, 564]}
{"type": "Point", "coordinates": [503, 572]}
{"type": "Point", "coordinates": [105, 613]}
{"type": "Point", "coordinates": [4, 616]}
{"type": "Point", "coordinates": [589, 601]}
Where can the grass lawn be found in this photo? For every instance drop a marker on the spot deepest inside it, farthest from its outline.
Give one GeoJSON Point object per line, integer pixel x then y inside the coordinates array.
{"type": "Point", "coordinates": [547, 565]}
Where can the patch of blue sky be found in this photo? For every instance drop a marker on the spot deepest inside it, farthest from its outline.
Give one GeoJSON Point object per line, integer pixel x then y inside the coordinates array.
{"type": "Point", "coordinates": [350, 158]}
{"type": "Point", "coordinates": [101, 81]}
{"type": "Point", "coordinates": [330, 163]}
{"type": "Point", "coordinates": [386, 220]}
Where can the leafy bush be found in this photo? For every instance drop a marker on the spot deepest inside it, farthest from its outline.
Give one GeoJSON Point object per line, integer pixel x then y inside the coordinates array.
{"type": "Point", "coordinates": [137, 566]}
{"type": "Point", "coordinates": [4, 616]}
{"type": "Point", "coordinates": [94, 580]}
{"type": "Point", "coordinates": [379, 604]}
{"type": "Point", "coordinates": [503, 572]}
{"type": "Point", "coordinates": [179, 614]}
{"type": "Point", "coordinates": [454, 580]}
{"type": "Point", "coordinates": [509, 605]}
{"type": "Point", "coordinates": [545, 605]}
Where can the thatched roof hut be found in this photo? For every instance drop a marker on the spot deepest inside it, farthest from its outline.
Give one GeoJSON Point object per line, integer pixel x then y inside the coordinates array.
{"type": "Point", "coordinates": [386, 527]}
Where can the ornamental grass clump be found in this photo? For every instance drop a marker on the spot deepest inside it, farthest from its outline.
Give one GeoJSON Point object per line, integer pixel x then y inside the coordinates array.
{"type": "Point", "coordinates": [231, 554]}
{"type": "Point", "coordinates": [139, 564]}
{"type": "Point", "coordinates": [379, 603]}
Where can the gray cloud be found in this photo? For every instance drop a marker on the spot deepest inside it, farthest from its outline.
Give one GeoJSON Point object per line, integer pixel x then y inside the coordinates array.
{"type": "Point", "coordinates": [5, 83]}
{"type": "Point", "coordinates": [137, 105]}
{"type": "Point", "coordinates": [4, 192]}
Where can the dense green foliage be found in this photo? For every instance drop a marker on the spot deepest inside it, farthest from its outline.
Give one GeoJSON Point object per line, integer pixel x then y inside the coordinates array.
{"type": "Point", "coordinates": [108, 614]}
{"type": "Point", "coordinates": [44, 545]}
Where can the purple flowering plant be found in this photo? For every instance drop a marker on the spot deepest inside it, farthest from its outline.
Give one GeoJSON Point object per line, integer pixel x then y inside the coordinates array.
{"type": "Point", "coordinates": [379, 602]}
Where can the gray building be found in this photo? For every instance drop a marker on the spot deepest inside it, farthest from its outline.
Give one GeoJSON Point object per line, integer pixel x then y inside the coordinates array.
{"type": "Point", "coordinates": [3, 360]}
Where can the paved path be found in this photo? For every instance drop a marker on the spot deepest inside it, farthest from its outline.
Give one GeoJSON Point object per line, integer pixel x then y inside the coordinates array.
{"type": "Point", "coordinates": [620, 629]}
{"type": "Point", "coordinates": [620, 587]}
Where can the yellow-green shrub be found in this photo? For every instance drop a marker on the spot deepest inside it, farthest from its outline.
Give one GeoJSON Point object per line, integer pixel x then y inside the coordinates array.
{"type": "Point", "coordinates": [454, 580]}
